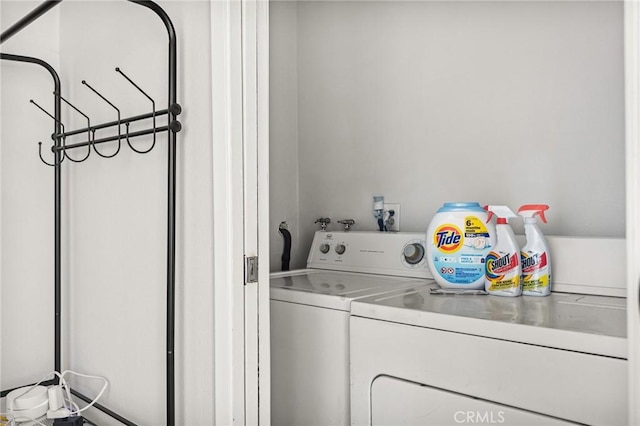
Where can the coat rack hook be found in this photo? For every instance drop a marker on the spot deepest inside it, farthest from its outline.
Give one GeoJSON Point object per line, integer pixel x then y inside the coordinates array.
{"type": "Point", "coordinates": [153, 105]}
{"type": "Point", "coordinates": [44, 161]}
{"type": "Point", "coordinates": [46, 112]}
{"type": "Point", "coordinates": [88, 130]}
{"type": "Point", "coordinates": [94, 131]}
{"type": "Point", "coordinates": [55, 163]}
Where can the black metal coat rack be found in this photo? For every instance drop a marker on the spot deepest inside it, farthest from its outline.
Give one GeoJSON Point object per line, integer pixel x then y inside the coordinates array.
{"type": "Point", "coordinates": [60, 149]}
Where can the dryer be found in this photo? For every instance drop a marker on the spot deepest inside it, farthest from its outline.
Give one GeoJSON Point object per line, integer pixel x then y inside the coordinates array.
{"type": "Point", "coordinates": [310, 318]}
{"type": "Point", "coordinates": [419, 358]}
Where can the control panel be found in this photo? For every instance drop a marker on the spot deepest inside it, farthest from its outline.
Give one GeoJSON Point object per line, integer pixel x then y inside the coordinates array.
{"type": "Point", "coordinates": [397, 253]}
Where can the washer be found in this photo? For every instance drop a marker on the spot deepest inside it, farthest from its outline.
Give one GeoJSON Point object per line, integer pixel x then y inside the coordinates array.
{"type": "Point", "coordinates": [418, 359]}
{"type": "Point", "coordinates": [310, 318]}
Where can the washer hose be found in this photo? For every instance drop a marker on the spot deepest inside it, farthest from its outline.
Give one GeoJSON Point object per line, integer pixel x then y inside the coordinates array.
{"type": "Point", "coordinates": [286, 251]}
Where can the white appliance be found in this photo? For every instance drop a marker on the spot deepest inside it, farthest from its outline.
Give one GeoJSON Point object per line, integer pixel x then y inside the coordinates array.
{"type": "Point", "coordinates": [419, 359]}
{"type": "Point", "coordinates": [310, 318]}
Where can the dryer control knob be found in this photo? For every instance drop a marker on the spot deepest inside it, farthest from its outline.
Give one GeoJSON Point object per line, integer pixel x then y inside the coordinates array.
{"type": "Point", "coordinates": [413, 253]}
{"type": "Point", "coordinates": [340, 249]}
{"type": "Point", "coordinates": [324, 248]}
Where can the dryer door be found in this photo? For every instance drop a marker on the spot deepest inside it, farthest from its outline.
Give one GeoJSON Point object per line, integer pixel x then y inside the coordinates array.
{"type": "Point", "coordinates": [397, 401]}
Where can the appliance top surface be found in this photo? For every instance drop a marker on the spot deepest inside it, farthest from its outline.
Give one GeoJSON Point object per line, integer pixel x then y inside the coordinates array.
{"type": "Point", "coordinates": [584, 323]}
{"type": "Point", "coordinates": [345, 266]}
{"type": "Point", "coordinates": [344, 285]}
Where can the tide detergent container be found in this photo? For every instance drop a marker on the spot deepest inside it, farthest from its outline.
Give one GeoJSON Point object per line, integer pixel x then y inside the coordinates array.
{"type": "Point", "coordinates": [458, 240]}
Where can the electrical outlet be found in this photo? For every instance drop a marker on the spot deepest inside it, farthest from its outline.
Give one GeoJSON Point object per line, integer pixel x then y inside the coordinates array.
{"type": "Point", "coordinates": [395, 226]}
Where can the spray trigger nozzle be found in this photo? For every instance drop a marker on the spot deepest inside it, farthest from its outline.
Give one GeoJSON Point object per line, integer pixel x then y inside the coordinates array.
{"type": "Point", "coordinates": [503, 213]}
{"type": "Point", "coordinates": [531, 210]}
{"type": "Point", "coordinates": [490, 213]}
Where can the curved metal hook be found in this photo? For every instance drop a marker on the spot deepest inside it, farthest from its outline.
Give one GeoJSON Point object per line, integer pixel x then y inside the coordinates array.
{"type": "Point", "coordinates": [94, 130]}
{"type": "Point", "coordinates": [45, 162]}
{"type": "Point", "coordinates": [55, 163]}
{"type": "Point", "coordinates": [88, 131]}
{"type": "Point", "coordinates": [153, 104]}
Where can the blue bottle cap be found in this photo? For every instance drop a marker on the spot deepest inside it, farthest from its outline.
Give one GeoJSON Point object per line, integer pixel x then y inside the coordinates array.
{"type": "Point", "coordinates": [461, 207]}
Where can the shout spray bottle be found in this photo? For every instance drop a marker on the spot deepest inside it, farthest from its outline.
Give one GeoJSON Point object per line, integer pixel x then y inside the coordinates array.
{"type": "Point", "coordinates": [536, 261]}
{"type": "Point", "coordinates": [502, 264]}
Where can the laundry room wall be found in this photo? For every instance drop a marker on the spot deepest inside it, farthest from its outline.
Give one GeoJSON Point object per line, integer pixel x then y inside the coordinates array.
{"type": "Point", "coordinates": [283, 118]}
{"type": "Point", "coordinates": [114, 210]}
{"type": "Point", "coordinates": [429, 102]}
{"type": "Point", "coordinates": [26, 203]}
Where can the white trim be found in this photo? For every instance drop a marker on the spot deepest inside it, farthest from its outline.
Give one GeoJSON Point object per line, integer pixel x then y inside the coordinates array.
{"type": "Point", "coordinates": [256, 198]}
{"type": "Point", "coordinates": [241, 197]}
{"type": "Point", "coordinates": [250, 158]}
{"type": "Point", "coordinates": [226, 39]}
{"type": "Point", "coordinates": [264, 326]}
{"type": "Point", "coordinates": [632, 109]}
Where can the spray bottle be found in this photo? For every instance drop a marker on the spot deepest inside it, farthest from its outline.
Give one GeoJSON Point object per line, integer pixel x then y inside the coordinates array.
{"type": "Point", "coordinates": [502, 264]}
{"type": "Point", "coordinates": [536, 262]}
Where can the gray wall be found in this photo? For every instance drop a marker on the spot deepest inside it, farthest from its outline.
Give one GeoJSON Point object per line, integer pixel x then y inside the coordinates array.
{"type": "Point", "coordinates": [428, 102]}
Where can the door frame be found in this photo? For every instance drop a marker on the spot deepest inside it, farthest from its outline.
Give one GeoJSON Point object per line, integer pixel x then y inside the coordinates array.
{"type": "Point", "coordinates": [239, 40]}
{"type": "Point", "coordinates": [255, 40]}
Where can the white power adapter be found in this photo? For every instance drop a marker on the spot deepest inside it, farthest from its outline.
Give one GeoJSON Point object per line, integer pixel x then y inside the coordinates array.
{"type": "Point", "coordinates": [57, 410]}
{"type": "Point", "coordinates": [56, 397]}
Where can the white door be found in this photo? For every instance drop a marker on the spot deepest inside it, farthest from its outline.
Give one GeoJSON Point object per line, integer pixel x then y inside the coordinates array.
{"type": "Point", "coordinates": [240, 96]}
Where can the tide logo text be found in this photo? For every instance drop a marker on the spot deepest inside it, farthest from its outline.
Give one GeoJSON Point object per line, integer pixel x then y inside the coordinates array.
{"type": "Point", "coordinates": [448, 238]}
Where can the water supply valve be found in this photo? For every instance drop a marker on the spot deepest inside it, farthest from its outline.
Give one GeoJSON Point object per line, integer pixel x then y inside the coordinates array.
{"type": "Point", "coordinates": [348, 223]}
{"type": "Point", "coordinates": [323, 221]}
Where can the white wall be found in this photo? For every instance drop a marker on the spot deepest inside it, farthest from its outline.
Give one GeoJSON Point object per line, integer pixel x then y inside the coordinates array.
{"type": "Point", "coordinates": [428, 102]}
{"type": "Point", "coordinates": [26, 216]}
{"type": "Point", "coordinates": [115, 209]}
{"type": "Point", "coordinates": [283, 120]}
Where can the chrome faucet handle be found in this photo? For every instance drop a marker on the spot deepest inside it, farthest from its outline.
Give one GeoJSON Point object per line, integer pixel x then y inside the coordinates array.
{"type": "Point", "coordinates": [348, 223]}
{"type": "Point", "coordinates": [323, 221]}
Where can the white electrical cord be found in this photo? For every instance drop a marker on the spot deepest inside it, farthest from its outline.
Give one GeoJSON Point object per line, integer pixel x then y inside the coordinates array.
{"type": "Point", "coordinates": [76, 410]}
{"type": "Point", "coordinates": [104, 388]}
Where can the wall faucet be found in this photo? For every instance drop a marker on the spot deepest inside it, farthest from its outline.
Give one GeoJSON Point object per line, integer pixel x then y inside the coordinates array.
{"type": "Point", "coordinates": [323, 221]}
{"type": "Point", "coordinates": [348, 223]}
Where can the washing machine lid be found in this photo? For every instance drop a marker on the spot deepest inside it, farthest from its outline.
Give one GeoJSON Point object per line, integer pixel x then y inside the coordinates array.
{"type": "Point", "coordinates": [335, 290]}
{"type": "Point", "coordinates": [582, 323]}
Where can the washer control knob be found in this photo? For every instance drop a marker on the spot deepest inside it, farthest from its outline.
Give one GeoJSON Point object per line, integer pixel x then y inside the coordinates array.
{"type": "Point", "coordinates": [340, 249]}
{"type": "Point", "coordinates": [413, 253]}
{"type": "Point", "coordinates": [324, 248]}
